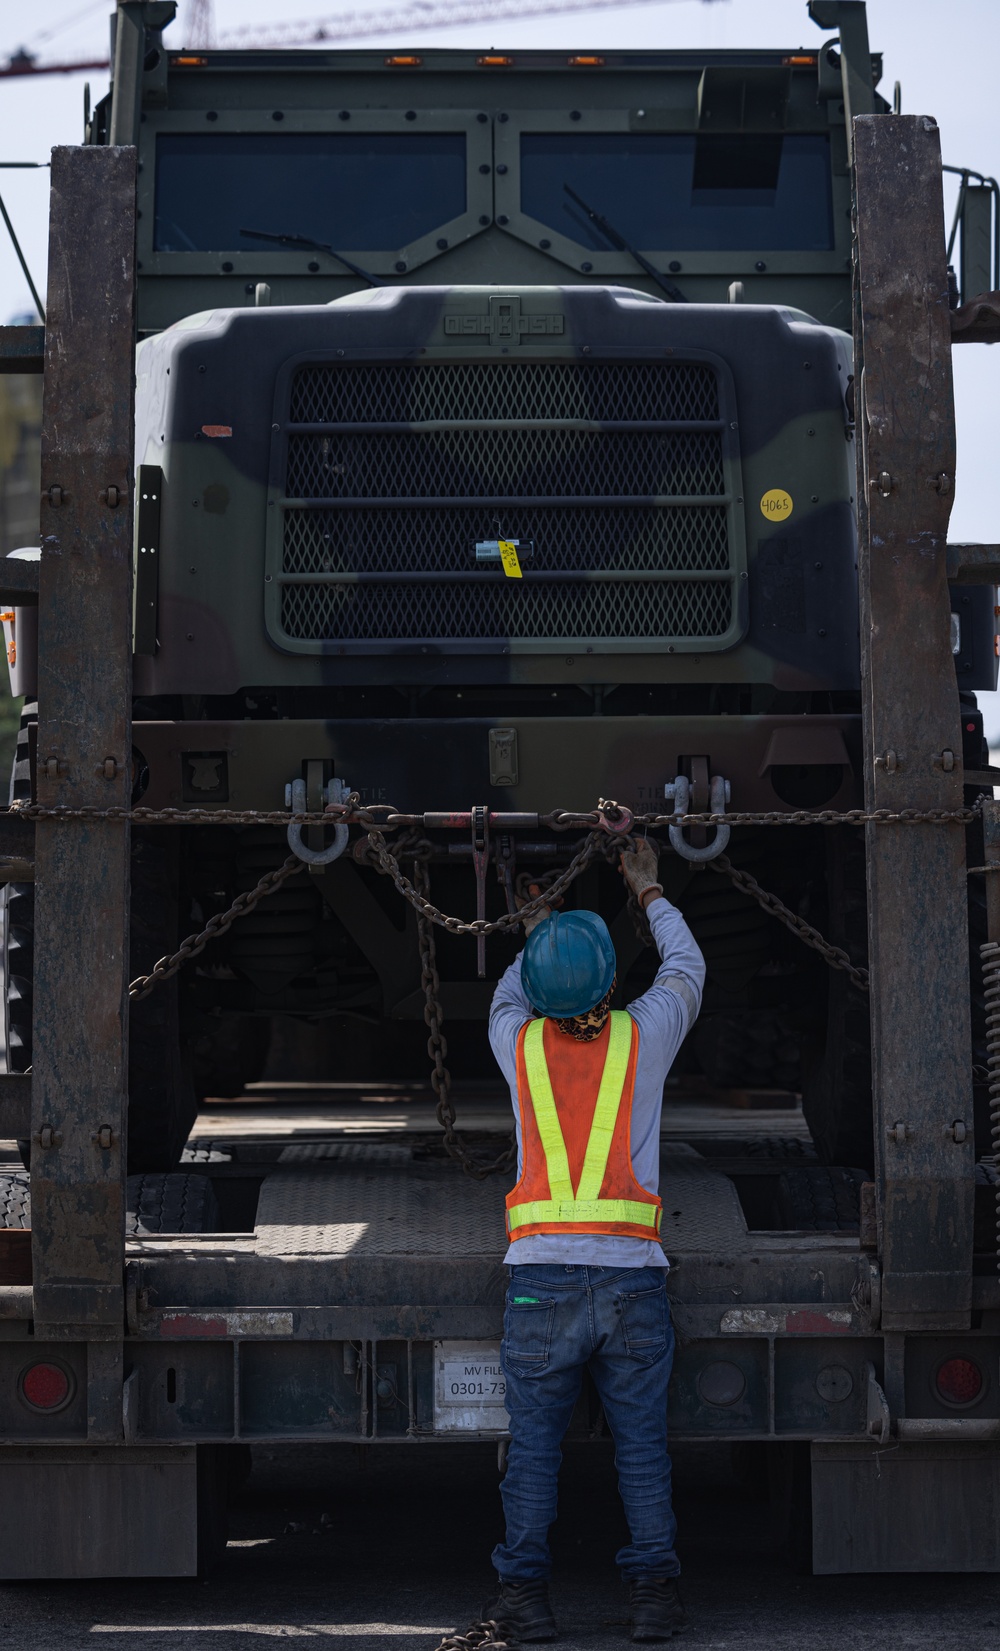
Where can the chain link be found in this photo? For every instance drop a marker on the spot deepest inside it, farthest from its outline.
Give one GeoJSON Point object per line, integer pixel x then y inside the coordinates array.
{"type": "Point", "coordinates": [387, 862]}
{"type": "Point", "coordinates": [195, 943]}
{"type": "Point", "coordinates": [836, 958]}
{"type": "Point", "coordinates": [488, 1633]}
{"type": "Point", "coordinates": [437, 1044]}
{"type": "Point", "coordinates": [599, 843]}
{"type": "Point", "coordinates": [388, 818]}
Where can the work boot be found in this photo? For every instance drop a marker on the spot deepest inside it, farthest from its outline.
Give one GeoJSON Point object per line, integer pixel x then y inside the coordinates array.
{"type": "Point", "coordinates": [655, 1607]}
{"type": "Point", "coordinates": [524, 1611]}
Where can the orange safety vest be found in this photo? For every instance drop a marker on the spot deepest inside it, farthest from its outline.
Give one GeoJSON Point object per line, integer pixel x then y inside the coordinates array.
{"type": "Point", "coordinates": [575, 1101]}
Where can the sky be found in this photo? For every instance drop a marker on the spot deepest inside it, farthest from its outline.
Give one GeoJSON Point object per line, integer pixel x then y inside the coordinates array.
{"type": "Point", "coordinates": [944, 57]}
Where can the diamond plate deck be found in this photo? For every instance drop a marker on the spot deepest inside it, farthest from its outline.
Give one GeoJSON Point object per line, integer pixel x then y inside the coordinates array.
{"type": "Point", "coordinates": [365, 1209]}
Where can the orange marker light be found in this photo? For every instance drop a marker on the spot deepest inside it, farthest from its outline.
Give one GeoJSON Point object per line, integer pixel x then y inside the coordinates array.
{"type": "Point", "coordinates": [586, 62]}
{"type": "Point", "coordinates": [494, 62]}
{"type": "Point", "coordinates": [401, 62]}
{"type": "Point", "coordinates": [802, 61]}
{"type": "Point", "coordinates": [188, 62]}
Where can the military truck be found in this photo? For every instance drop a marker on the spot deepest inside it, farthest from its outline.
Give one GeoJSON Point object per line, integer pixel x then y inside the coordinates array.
{"type": "Point", "coordinates": [494, 455]}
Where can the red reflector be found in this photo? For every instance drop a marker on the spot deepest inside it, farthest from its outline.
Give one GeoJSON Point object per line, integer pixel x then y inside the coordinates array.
{"type": "Point", "coordinates": [970, 727]}
{"type": "Point", "coordinates": [959, 1381]}
{"type": "Point", "coordinates": [45, 1386]}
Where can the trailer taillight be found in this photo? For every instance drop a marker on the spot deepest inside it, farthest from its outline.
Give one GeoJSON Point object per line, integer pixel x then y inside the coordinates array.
{"type": "Point", "coordinates": [46, 1386]}
{"type": "Point", "coordinates": [958, 1382]}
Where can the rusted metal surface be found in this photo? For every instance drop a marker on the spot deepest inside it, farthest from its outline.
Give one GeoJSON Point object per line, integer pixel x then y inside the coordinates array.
{"type": "Point", "coordinates": [84, 749]}
{"type": "Point", "coordinates": [978, 321]}
{"type": "Point", "coordinates": [916, 879]}
{"type": "Point", "coordinates": [22, 349]}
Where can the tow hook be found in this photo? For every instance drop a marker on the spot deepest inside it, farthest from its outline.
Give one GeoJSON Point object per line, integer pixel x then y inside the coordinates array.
{"type": "Point", "coordinates": [336, 794]}
{"type": "Point", "coordinates": [679, 790]}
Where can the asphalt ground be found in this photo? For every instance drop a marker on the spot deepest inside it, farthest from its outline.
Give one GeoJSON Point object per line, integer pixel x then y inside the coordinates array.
{"type": "Point", "coordinates": [387, 1549]}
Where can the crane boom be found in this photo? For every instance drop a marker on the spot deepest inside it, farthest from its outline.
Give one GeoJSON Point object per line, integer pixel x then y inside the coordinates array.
{"type": "Point", "coordinates": [341, 26]}
{"type": "Point", "coordinates": [414, 14]}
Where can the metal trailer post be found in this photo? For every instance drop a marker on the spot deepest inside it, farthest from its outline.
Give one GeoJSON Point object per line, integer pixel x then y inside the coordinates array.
{"type": "Point", "coordinates": [101, 1506]}
{"type": "Point", "coordinates": [917, 919]}
{"type": "Point", "coordinates": [79, 1076]}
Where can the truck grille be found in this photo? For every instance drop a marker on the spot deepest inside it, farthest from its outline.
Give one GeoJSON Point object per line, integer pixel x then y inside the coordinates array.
{"type": "Point", "coordinates": [618, 474]}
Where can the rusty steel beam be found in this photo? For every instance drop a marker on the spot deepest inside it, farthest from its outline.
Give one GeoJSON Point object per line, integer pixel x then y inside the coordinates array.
{"type": "Point", "coordinates": [918, 928]}
{"type": "Point", "coordinates": [79, 1074]}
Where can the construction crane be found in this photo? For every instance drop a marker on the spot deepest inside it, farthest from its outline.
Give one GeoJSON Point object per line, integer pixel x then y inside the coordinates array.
{"type": "Point", "coordinates": [337, 27]}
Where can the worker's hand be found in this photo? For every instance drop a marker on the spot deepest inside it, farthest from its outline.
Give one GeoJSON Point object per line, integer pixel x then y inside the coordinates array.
{"type": "Point", "coordinates": [639, 868]}
{"type": "Point", "coordinates": [533, 890]}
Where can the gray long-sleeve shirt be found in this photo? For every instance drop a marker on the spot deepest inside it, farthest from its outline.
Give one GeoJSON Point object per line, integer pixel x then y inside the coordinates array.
{"type": "Point", "coordinates": [664, 1016]}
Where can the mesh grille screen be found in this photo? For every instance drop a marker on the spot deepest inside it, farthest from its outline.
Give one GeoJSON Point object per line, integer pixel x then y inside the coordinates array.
{"type": "Point", "coordinates": [505, 464]}
{"type": "Point", "coordinates": [495, 608]}
{"type": "Point", "coordinates": [366, 529]}
{"type": "Point", "coordinates": [569, 539]}
{"type": "Point", "coordinates": [398, 394]}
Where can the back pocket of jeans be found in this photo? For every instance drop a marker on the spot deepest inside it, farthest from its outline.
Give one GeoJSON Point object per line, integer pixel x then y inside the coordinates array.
{"type": "Point", "coordinates": [645, 1320]}
{"type": "Point", "coordinates": [527, 1335]}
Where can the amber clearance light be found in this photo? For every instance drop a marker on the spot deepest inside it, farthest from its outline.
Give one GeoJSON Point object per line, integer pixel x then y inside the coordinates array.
{"type": "Point", "coordinates": [188, 62]}
{"type": "Point", "coordinates": [402, 62]}
{"type": "Point", "coordinates": [802, 60]}
{"type": "Point", "coordinates": [493, 62]}
{"type": "Point", "coordinates": [586, 62]}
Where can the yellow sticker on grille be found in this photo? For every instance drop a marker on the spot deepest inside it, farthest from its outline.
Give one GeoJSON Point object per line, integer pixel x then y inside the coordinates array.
{"type": "Point", "coordinates": [508, 556]}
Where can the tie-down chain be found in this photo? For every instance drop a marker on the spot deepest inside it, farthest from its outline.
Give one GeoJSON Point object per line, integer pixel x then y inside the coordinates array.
{"type": "Point", "coordinates": [610, 829]}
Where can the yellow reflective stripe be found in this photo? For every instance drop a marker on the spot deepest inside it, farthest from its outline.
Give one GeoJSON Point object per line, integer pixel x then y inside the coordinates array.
{"type": "Point", "coordinates": [609, 1100]}
{"type": "Point", "coordinates": [555, 1211]}
{"type": "Point", "coordinates": [546, 1116]}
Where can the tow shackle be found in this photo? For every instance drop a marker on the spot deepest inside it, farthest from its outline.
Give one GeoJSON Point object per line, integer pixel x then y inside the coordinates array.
{"type": "Point", "coordinates": [679, 790]}
{"type": "Point", "coordinates": [337, 793]}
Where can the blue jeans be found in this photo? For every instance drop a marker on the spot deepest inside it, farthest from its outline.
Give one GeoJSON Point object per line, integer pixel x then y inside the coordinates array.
{"type": "Point", "coordinates": [616, 1322]}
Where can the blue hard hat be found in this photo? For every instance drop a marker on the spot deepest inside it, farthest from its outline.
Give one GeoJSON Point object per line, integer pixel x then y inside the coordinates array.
{"type": "Point", "coordinates": [568, 964]}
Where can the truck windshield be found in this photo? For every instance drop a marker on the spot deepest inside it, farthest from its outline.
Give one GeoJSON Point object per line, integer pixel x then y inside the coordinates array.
{"type": "Point", "coordinates": [682, 191]}
{"type": "Point", "coordinates": [355, 190]}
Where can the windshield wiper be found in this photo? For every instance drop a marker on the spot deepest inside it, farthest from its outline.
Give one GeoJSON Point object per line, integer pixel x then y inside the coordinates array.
{"type": "Point", "coordinates": [611, 234]}
{"type": "Point", "coordinates": [315, 246]}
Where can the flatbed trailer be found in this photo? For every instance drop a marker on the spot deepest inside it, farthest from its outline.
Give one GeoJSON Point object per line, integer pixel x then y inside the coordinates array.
{"type": "Point", "coordinates": [355, 1292]}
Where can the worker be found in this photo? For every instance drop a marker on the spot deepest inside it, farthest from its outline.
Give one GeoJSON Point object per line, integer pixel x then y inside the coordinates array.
{"type": "Point", "coordinates": [587, 1272]}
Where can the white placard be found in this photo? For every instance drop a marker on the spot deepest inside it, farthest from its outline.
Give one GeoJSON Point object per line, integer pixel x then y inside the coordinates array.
{"type": "Point", "coordinates": [469, 1388]}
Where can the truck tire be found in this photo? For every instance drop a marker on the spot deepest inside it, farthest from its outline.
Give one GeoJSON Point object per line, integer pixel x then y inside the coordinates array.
{"type": "Point", "coordinates": [170, 1204]}
{"type": "Point", "coordinates": [821, 1198]}
{"type": "Point", "coordinates": [15, 1200]}
{"type": "Point", "coordinates": [154, 1203]}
